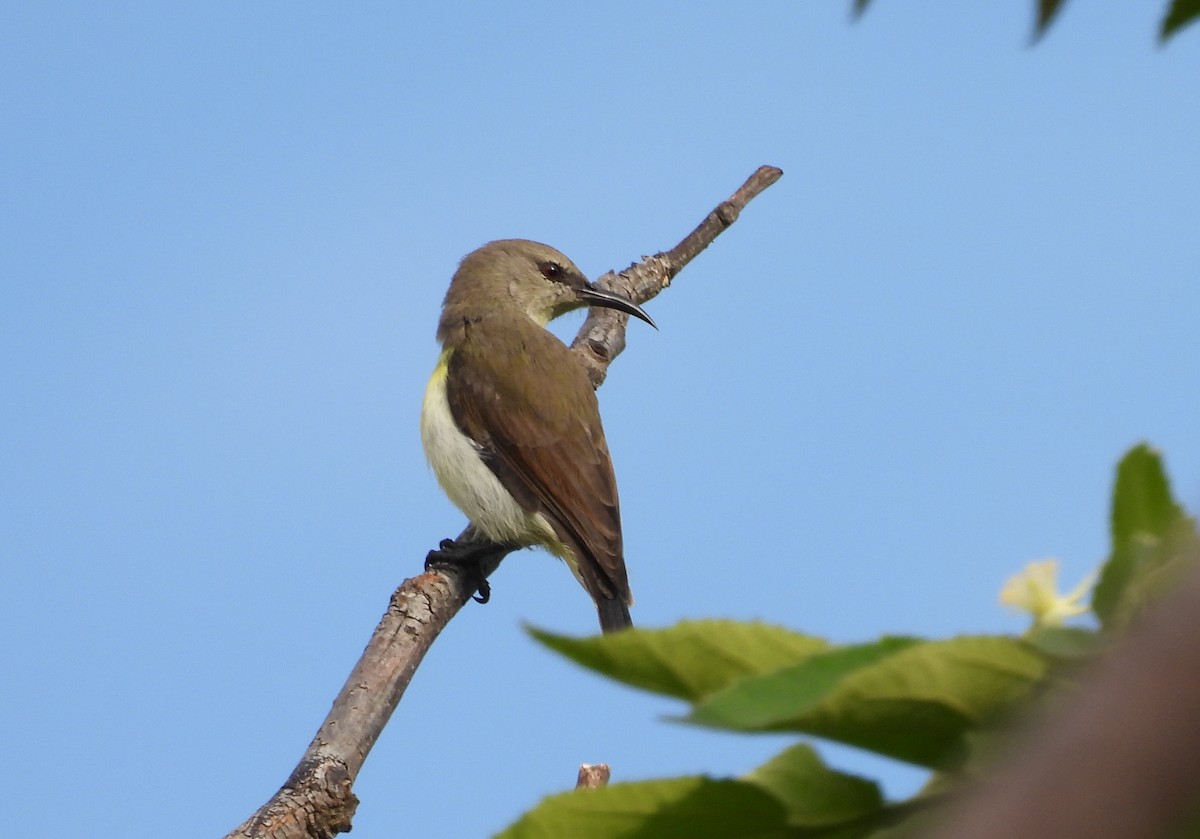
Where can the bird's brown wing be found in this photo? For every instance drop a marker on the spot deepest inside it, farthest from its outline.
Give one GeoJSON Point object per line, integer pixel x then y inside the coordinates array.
{"type": "Point", "coordinates": [534, 415]}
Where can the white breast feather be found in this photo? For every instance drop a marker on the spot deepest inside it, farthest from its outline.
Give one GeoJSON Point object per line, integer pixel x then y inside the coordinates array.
{"type": "Point", "coordinates": [467, 480]}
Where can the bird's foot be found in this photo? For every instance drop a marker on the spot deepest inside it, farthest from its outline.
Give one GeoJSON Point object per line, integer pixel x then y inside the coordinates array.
{"type": "Point", "coordinates": [465, 556]}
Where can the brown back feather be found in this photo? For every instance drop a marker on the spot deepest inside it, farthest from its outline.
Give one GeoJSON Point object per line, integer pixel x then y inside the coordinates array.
{"type": "Point", "coordinates": [528, 403]}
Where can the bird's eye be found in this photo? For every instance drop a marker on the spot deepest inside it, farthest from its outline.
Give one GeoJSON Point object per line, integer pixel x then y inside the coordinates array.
{"type": "Point", "coordinates": [552, 271]}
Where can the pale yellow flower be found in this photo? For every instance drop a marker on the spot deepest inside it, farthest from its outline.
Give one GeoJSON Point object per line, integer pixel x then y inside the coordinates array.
{"type": "Point", "coordinates": [1035, 590]}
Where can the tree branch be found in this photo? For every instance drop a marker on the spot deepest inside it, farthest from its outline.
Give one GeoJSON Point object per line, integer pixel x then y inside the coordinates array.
{"type": "Point", "coordinates": [602, 337]}
{"type": "Point", "coordinates": [593, 776]}
{"type": "Point", "coordinates": [317, 801]}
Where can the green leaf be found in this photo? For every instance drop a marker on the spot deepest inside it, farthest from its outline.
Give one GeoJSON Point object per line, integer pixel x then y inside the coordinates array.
{"type": "Point", "coordinates": [1181, 13]}
{"type": "Point", "coordinates": [909, 700]}
{"type": "Point", "coordinates": [1152, 539]}
{"type": "Point", "coordinates": [1163, 563]}
{"type": "Point", "coordinates": [814, 794]}
{"type": "Point", "coordinates": [1142, 501]}
{"type": "Point", "coordinates": [761, 703]}
{"type": "Point", "coordinates": [689, 660]}
{"type": "Point", "coordinates": [677, 808]}
{"type": "Point", "coordinates": [1066, 642]}
{"type": "Point", "coordinates": [1047, 10]}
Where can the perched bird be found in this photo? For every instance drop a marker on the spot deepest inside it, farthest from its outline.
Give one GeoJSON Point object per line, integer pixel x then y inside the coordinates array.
{"type": "Point", "coordinates": [510, 422]}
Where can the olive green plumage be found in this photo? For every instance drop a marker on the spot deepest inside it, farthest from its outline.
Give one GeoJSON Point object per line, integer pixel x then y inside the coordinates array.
{"type": "Point", "coordinates": [526, 458]}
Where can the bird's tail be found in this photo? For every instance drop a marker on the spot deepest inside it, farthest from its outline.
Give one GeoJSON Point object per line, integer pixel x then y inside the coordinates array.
{"type": "Point", "coordinates": [614, 614]}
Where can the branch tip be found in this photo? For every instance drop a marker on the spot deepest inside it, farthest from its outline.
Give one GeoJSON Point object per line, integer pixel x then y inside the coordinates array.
{"type": "Point", "coordinates": [593, 776]}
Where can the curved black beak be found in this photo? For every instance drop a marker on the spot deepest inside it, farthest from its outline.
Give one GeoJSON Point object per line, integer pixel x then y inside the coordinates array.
{"type": "Point", "coordinates": [593, 296]}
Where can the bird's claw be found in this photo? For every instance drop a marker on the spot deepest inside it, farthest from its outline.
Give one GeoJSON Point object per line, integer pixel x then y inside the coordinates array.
{"type": "Point", "coordinates": [483, 592]}
{"type": "Point", "coordinates": [464, 557]}
{"type": "Point", "coordinates": [449, 552]}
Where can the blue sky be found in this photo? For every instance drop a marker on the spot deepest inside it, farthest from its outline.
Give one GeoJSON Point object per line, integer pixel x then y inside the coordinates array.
{"type": "Point", "coordinates": [908, 370]}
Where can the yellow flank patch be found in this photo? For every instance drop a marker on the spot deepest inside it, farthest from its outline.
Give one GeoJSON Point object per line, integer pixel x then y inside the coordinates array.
{"type": "Point", "coordinates": [437, 383]}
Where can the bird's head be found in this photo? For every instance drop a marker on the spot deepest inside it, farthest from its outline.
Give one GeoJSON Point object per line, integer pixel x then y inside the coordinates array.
{"type": "Point", "coordinates": [526, 276]}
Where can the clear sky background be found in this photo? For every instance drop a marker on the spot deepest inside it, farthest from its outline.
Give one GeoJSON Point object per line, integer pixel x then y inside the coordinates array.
{"type": "Point", "coordinates": [226, 232]}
